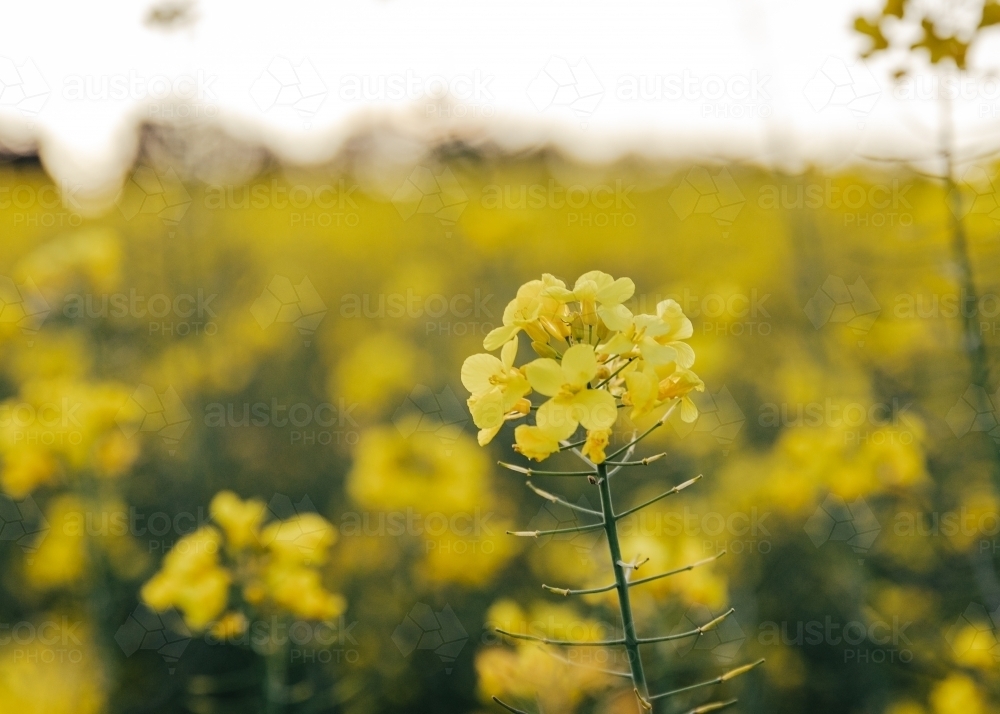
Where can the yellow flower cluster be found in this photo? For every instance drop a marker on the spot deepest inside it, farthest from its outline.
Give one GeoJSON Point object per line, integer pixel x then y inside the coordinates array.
{"type": "Point", "coordinates": [594, 355]}
{"type": "Point", "coordinates": [62, 424]}
{"type": "Point", "coordinates": [274, 568]}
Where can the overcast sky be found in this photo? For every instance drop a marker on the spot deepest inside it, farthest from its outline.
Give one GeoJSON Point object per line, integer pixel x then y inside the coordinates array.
{"type": "Point", "coordinates": [772, 82]}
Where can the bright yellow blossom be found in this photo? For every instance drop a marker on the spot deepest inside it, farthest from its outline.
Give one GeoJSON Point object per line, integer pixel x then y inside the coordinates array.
{"type": "Point", "coordinates": [600, 295]}
{"type": "Point", "coordinates": [496, 386]}
{"type": "Point", "coordinates": [572, 402]}
{"type": "Point", "coordinates": [532, 310]}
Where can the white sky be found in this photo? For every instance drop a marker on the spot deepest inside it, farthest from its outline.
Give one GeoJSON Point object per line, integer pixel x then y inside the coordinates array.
{"type": "Point", "coordinates": [771, 82]}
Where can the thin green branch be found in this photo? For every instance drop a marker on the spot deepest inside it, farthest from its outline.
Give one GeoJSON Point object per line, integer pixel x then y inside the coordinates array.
{"type": "Point", "coordinates": [555, 499]}
{"type": "Point", "coordinates": [689, 566]}
{"type": "Point", "coordinates": [615, 373]}
{"type": "Point", "coordinates": [562, 643]}
{"type": "Point", "coordinates": [712, 707]}
{"type": "Point", "coordinates": [566, 660]}
{"type": "Point", "coordinates": [700, 630]}
{"type": "Point", "coordinates": [676, 489]}
{"type": "Point", "coordinates": [535, 472]}
{"type": "Point", "coordinates": [508, 707]}
{"type": "Point", "coordinates": [589, 591]}
{"type": "Point", "coordinates": [557, 531]}
{"type": "Point", "coordinates": [725, 677]}
{"type": "Point", "coordinates": [572, 445]}
{"type": "Point", "coordinates": [659, 422]}
{"type": "Point", "coordinates": [644, 462]}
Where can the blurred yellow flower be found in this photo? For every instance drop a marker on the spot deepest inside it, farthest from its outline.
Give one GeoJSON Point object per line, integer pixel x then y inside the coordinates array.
{"type": "Point", "coordinates": [240, 520]}
{"type": "Point", "coordinates": [62, 556]}
{"type": "Point", "coordinates": [191, 579]}
{"type": "Point", "coordinates": [958, 694]}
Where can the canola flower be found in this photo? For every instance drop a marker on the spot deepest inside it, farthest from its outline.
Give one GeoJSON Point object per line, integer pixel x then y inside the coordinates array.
{"type": "Point", "coordinates": [274, 567]}
{"type": "Point", "coordinates": [594, 356]}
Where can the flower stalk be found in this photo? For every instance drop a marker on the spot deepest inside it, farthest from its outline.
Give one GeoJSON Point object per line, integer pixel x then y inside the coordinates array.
{"type": "Point", "coordinates": [595, 359]}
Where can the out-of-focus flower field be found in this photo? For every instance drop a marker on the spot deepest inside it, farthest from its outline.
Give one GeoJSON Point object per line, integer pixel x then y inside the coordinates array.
{"type": "Point", "coordinates": [240, 473]}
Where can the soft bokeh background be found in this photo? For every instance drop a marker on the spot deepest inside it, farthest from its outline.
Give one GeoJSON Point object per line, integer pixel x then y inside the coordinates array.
{"type": "Point", "coordinates": [850, 464]}
{"type": "Point", "coordinates": [237, 469]}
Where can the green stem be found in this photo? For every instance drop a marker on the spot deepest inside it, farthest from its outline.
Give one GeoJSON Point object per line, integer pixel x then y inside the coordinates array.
{"type": "Point", "coordinates": [275, 687]}
{"type": "Point", "coordinates": [621, 584]}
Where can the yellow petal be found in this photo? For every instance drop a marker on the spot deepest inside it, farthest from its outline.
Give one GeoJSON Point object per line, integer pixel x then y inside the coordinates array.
{"type": "Point", "coordinates": [579, 365]}
{"type": "Point", "coordinates": [500, 336]}
{"type": "Point", "coordinates": [509, 352]}
{"type": "Point", "coordinates": [557, 418]}
{"type": "Point", "coordinates": [616, 317]}
{"type": "Point", "coordinates": [485, 436]}
{"type": "Point", "coordinates": [477, 370]}
{"type": "Point", "coordinates": [619, 344]}
{"type": "Point", "coordinates": [655, 353]}
{"type": "Point", "coordinates": [617, 292]}
{"type": "Point", "coordinates": [685, 355]}
{"type": "Point", "coordinates": [642, 390]}
{"type": "Point", "coordinates": [545, 376]}
{"type": "Point", "coordinates": [532, 442]}
{"type": "Point", "coordinates": [487, 409]}
{"type": "Point", "coordinates": [595, 409]}
{"type": "Point", "coordinates": [689, 412]}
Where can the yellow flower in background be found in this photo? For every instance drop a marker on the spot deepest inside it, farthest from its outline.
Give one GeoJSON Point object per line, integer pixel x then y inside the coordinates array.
{"type": "Point", "coordinates": [957, 694]}
{"type": "Point", "coordinates": [304, 538]}
{"type": "Point", "coordinates": [192, 580]}
{"type": "Point", "coordinates": [529, 673]}
{"type": "Point", "coordinates": [421, 472]}
{"type": "Point", "coordinates": [240, 520]}
{"type": "Point", "coordinates": [62, 556]}
{"type": "Point", "coordinates": [230, 625]}
{"type": "Point", "coordinates": [496, 387]}
{"type": "Point", "coordinates": [375, 370]}
{"type": "Point", "coordinates": [114, 454]}
{"type": "Point", "coordinates": [61, 675]}
{"type": "Point", "coordinates": [571, 405]}
{"type": "Point", "coordinates": [275, 566]}
{"type": "Point", "coordinates": [25, 468]}
{"type": "Point", "coordinates": [299, 590]}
